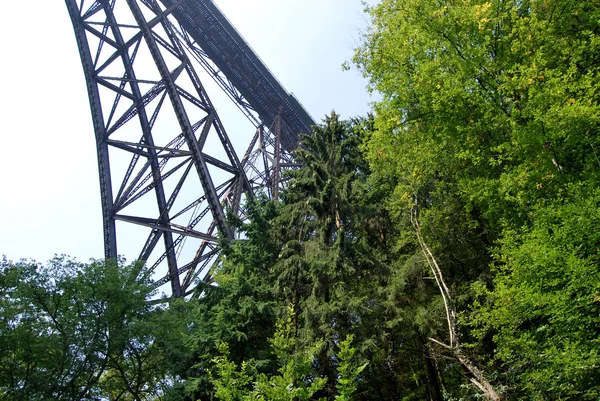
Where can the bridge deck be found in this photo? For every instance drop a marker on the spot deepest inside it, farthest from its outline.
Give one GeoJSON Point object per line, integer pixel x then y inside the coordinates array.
{"type": "Point", "coordinates": [216, 36]}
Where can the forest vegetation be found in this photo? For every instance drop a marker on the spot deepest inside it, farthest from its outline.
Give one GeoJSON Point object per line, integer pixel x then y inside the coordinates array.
{"type": "Point", "coordinates": [444, 247]}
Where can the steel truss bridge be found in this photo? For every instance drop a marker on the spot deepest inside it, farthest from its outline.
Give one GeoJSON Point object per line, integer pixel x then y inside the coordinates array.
{"type": "Point", "coordinates": [168, 169]}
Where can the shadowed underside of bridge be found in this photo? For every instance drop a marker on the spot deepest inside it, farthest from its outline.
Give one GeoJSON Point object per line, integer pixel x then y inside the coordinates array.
{"type": "Point", "coordinates": [168, 168]}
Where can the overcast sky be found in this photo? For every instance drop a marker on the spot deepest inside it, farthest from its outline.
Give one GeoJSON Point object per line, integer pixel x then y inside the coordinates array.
{"type": "Point", "coordinates": [50, 202]}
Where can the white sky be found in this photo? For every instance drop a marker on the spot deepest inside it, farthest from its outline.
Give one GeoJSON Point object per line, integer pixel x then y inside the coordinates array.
{"type": "Point", "coordinates": [50, 199]}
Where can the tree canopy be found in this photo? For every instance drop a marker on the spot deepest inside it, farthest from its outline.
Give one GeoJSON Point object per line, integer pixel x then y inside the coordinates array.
{"type": "Point", "coordinates": [444, 247]}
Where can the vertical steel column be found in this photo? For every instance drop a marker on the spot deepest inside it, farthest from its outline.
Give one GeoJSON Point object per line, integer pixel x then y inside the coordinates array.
{"type": "Point", "coordinates": [108, 222]}
{"type": "Point", "coordinates": [277, 157]}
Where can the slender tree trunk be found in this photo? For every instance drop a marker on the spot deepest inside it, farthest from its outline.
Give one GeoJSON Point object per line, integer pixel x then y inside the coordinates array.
{"type": "Point", "coordinates": [437, 371]}
{"type": "Point", "coordinates": [434, 387]}
{"type": "Point", "coordinates": [477, 376]}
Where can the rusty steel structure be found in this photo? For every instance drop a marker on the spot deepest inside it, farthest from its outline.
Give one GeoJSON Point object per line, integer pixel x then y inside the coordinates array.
{"type": "Point", "coordinates": [168, 169]}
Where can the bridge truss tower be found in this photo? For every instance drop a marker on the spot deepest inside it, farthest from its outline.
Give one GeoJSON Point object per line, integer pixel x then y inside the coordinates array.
{"type": "Point", "coordinates": [168, 168]}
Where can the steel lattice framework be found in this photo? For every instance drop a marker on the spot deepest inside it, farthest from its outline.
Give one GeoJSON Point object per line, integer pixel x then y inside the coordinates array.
{"type": "Point", "coordinates": [168, 169]}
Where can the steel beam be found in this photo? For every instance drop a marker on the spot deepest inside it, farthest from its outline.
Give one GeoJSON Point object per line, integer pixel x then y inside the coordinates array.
{"type": "Point", "coordinates": [141, 60]}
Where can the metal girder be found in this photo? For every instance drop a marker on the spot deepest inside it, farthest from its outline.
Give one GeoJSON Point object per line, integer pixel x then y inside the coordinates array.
{"type": "Point", "coordinates": [238, 70]}
{"type": "Point", "coordinates": [167, 166]}
{"type": "Point", "coordinates": [108, 223]}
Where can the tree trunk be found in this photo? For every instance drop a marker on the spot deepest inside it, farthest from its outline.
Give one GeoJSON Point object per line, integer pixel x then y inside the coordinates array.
{"type": "Point", "coordinates": [434, 388]}
{"type": "Point", "coordinates": [477, 377]}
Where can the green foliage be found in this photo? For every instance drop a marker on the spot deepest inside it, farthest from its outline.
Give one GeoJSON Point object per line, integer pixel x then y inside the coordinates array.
{"type": "Point", "coordinates": [348, 370]}
{"type": "Point", "coordinates": [544, 309]}
{"type": "Point", "coordinates": [325, 259]}
{"type": "Point", "coordinates": [294, 381]}
{"type": "Point", "coordinates": [230, 384]}
{"type": "Point", "coordinates": [240, 311]}
{"type": "Point", "coordinates": [306, 250]}
{"type": "Point", "coordinates": [73, 331]}
{"type": "Point", "coordinates": [487, 135]}
{"type": "Point", "coordinates": [485, 143]}
{"type": "Point", "coordinates": [491, 102]}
